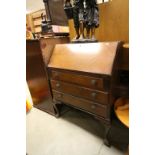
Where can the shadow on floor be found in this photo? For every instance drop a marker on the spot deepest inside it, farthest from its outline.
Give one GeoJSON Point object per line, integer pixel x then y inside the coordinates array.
{"type": "Point", "coordinates": [119, 135]}
{"type": "Point", "coordinates": [83, 120]}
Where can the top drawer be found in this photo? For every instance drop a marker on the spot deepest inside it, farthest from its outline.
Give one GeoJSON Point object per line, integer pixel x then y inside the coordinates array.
{"type": "Point", "coordinates": [83, 80]}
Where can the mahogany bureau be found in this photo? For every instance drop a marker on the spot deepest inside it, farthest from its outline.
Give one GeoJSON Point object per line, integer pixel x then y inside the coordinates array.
{"type": "Point", "coordinates": [83, 76]}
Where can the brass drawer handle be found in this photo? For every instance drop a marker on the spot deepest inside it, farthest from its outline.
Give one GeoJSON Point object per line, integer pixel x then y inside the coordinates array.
{"type": "Point", "coordinates": [93, 82]}
{"type": "Point", "coordinates": [58, 85]}
{"type": "Point", "coordinates": [93, 106]}
{"type": "Point", "coordinates": [93, 95]}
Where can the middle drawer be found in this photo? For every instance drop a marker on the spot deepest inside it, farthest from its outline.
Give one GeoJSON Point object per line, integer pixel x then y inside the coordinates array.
{"type": "Point", "coordinates": [78, 91]}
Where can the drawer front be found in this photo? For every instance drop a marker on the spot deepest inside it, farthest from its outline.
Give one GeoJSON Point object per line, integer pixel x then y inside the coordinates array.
{"type": "Point", "coordinates": [82, 92]}
{"type": "Point", "coordinates": [83, 80]}
{"type": "Point", "coordinates": [100, 110]}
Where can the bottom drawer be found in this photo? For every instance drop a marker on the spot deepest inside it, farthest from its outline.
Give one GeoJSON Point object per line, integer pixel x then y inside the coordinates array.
{"type": "Point", "coordinates": [100, 110]}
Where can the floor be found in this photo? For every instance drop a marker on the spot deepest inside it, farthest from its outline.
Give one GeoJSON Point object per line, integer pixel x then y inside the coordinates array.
{"type": "Point", "coordinates": [75, 133]}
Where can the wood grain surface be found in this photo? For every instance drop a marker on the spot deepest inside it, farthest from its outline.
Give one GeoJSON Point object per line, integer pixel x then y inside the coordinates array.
{"type": "Point", "coordinates": [89, 106]}
{"type": "Point", "coordinates": [78, 79]}
{"type": "Point", "coordinates": [121, 108]}
{"type": "Point", "coordinates": [88, 57]}
{"type": "Point", "coordinates": [78, 91]}
{"type": "Point", "coordinates": [47, 45]}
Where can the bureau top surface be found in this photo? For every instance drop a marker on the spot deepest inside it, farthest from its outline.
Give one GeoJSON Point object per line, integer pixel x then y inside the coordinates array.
{"type": "Point", "coordinates": [87, 57]}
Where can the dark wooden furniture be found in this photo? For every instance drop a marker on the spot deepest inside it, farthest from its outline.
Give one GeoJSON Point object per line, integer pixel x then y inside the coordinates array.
{"type": "Point", "coordinates": [118, 133]}
{"type": "Point", "coordinates": [47, 45]}
{"type": "Point", "coordinates": [122, 86]}
{"type": "Point", "coordinates": [36, 77]}
{"type": "Point", "coordinates": [38, 53]}
{"type": "Point", "coordinates": [84, 75]}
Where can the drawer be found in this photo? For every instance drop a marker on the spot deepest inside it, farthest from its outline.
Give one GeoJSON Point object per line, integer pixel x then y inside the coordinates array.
{"type": "Point", "coordinates": [100, 110]}
{"type": "Point", "coordinates": [83, 80]}
{"type": "Point", "coordinates": [82, 92]}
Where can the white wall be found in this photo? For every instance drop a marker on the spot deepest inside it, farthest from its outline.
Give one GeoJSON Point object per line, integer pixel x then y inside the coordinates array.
{"type": "Point", "coordinates": [34, 5]}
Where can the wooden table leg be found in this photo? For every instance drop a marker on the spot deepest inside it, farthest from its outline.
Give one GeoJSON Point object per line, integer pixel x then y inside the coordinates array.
{"type": "Point", "coordinates": [106, 140]}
